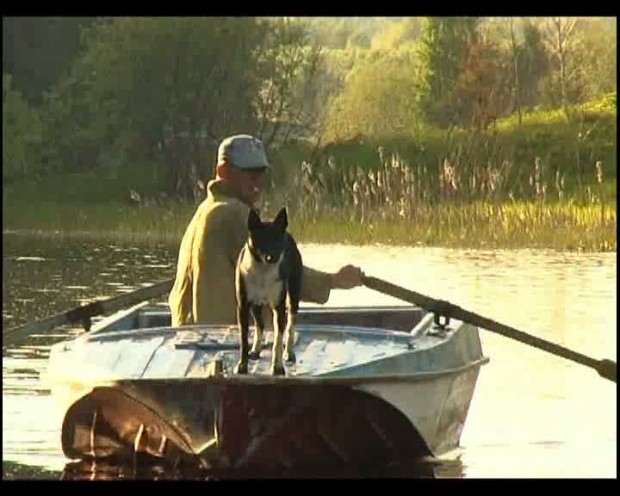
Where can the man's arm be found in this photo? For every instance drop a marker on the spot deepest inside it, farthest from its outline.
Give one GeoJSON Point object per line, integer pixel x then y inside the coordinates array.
{"type": "Point", "coordinates": [317, 285]}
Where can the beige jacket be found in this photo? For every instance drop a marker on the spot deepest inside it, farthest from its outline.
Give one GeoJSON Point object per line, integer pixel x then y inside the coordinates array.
{"type": "Point", "coordinates": [204, 289]}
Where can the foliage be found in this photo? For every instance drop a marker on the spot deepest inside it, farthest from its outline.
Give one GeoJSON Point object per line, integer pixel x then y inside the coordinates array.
{"type": "Point", "coordinates": [377, 99]}
{"type": "Point", "coordinates": [157, 90]}
{"type": "Point", "coordinates": [533, 64]}
{"type": "Point", "coordinates": [345, 32]}
{"type": "Point", "coordinates": [152, 96]}
{"type": "Point", "coordinates": [444, 47]}
{"type": "Point", "coordinates": [398, 34]}
{"type": "Point", "coordinates": [37, 51]}
{"type": "Point", "coordinates": [595, 58]}
{"type": "Point", "coordinates": [566, 151]}
{"type": "Point", "coordinates": [287, 102]}
{"type": "Point", "coordinates": [21, 134]}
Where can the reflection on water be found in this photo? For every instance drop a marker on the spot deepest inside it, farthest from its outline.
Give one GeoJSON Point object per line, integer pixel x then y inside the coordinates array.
{"type": "Point", "coordinates": [532, 415]}
{"type": "Point", "coordinates": [88, 470]}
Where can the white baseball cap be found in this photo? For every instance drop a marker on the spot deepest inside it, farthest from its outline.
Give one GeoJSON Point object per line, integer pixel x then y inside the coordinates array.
{"type": "Point", "coordinates": [243, 151]}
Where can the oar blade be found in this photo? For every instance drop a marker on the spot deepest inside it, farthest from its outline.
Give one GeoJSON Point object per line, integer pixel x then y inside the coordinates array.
{"type": "Point", "coordinates": [43, 325]}
{"type": "Point", "coordinates": [85, 312]}
{"type": "Point", "coordinates": [608, 369]}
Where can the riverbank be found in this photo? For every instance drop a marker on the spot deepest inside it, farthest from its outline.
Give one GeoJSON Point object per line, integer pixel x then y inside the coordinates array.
{"type": "Point", "coordinates": [509, 225]}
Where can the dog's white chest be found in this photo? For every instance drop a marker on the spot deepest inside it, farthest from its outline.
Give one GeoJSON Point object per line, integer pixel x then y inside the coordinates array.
{"type": "Point", "coordinates": [262, 283]}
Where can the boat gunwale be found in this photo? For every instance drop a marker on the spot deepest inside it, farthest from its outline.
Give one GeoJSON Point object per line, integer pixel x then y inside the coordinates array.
{"type": "Point", "coordinates": [268, 380]}
{"type": "Point", "coordinates": [334, 329]}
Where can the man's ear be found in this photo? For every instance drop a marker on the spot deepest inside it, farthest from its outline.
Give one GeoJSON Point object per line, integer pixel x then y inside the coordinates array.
{"type": "Point", "coordinates": [281, 220]}
{"type": "Point", "coordinates": [253, 220]}
{"type": "Point", "coordinates": [222, 170]}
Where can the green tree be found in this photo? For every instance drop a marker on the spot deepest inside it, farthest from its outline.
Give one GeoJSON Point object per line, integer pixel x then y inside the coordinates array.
{"type": "Point", "coordinates": [377, 100]}
{"type": "Point", "coordinates": [396, 34]}
{"type": "Point", "coordinates": [444, 48]}
{"type": "Point", "coordinates": [561, 36]}
{"type": "Point", "coordinates": [21, 134]}
{"type": "Point", "coordinates": [481, 92]}
{"type": "Point", "coordinates": [533, 64]}
{"type": "Point", "coordinates": [288, 68]}
{"type": "Point", "coordinates": [162, 91]}
{"type": "Point", "coordinates": [596, 56]}
{"type": "Point", "coordinates": [37, 51]}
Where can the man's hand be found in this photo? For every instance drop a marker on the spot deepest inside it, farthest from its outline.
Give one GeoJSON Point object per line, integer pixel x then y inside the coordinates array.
{"type": "Point", "coordinates": [347, 277]}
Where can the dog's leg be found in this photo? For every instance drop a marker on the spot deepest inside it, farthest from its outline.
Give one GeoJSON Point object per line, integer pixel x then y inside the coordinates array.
{"type": "Point", "coordinates": [289, 353]}
{"type": "Point", "coordinates": [294, 292]}
{"type": "Point", "coordinates": [242, 319]}
{"type": "Point", "coordinates": [259, 326]}
{"type": "Point", "coordinates": [277, 367]}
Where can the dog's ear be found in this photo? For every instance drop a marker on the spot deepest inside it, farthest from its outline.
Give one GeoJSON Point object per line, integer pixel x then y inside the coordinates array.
{"type": "Point", "coordinates": [253, 220]}
{"type": "Point", "coordinates": [281, 221]}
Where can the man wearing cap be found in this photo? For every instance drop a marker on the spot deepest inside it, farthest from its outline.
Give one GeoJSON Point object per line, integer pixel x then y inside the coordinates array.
{"type": "Point", "coordinates": [204, 289]}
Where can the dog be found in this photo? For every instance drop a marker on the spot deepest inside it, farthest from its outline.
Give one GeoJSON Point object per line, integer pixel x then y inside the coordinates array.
{"type": "Point", "coordinates": [268, 273]}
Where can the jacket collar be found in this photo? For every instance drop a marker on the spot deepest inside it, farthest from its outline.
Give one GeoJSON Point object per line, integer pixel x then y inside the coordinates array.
{"type": "Point", "coordinates": [219, 190]}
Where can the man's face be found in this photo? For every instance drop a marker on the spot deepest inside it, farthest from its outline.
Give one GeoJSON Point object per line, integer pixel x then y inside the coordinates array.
{"type": "Point", "coordinates": [249, 183]}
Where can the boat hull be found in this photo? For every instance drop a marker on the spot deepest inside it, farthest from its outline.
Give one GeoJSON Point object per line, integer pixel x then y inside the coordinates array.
{"type": "Point", "coordinates": [271, 426]}
{"type": "Point", "coordinates": [359, 399]}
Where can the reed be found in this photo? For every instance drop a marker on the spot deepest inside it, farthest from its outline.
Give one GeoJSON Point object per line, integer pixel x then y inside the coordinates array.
{"type": "Point", "coordinates": [115, 222]}
{"type": "Point", "coordinates": [459, 203]}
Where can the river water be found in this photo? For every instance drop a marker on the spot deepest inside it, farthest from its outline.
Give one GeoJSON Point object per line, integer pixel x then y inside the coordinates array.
{"type": "Point", "coordinates": [533, 414]}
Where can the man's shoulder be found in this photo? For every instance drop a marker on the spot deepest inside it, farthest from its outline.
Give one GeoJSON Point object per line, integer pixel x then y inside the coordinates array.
{"type": "Point", "coordinates": [224, 212]}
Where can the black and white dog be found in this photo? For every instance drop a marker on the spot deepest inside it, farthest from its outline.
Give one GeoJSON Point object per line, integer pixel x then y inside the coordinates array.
{"type": "Point", "coordinates": [268, 272]}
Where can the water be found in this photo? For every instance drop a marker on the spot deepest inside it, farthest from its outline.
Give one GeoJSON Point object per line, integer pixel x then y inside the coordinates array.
{"type": "Point", "coordinates": [533, 414]}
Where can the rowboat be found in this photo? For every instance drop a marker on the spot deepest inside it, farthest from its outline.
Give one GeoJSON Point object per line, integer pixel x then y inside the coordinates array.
{"type": "Point", "coordinates": [371, 386]}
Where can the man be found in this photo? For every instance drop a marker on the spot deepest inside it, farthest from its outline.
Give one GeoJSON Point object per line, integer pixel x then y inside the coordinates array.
{"type": "Point", "coordinates": [204, 289]}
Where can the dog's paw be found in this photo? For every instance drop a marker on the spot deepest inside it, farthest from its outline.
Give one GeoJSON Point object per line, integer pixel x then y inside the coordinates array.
{"type": "Point", "coordinates": [290, 357]}
{"type": "Point", "coordinates": [278, 370]}
{"type": "Point", "coordinates": [254, 355]}
{"type": "Point", "coordinates": [241, 368]}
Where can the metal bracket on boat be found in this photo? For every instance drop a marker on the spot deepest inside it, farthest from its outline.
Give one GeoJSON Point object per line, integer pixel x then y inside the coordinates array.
{"type": "Point", "coordinates": [438, 323]}
{"type": "Point", "coordinates": [440, 308]}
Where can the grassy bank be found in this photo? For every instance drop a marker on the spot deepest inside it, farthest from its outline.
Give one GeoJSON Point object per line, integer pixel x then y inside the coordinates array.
{"type": "Point", "coordinates": [568, 142]}
{"type": "Point", "coordinates": [549, 182]}
{"type": "Point", "coordinates": [562, 226]}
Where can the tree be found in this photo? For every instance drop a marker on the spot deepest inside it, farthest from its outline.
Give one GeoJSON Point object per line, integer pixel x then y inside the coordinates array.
{"type": "Point", "coordinates": [37, 51]}
{"type": "Point", "coordinates": [481, 91]}
{"type": "Point", "coordinates": [288, 68]}
{"type": "Point", "coordinates": [396, 34]}
{"type": "Point", "coordinates": [533, 64]}
{"type": "Point", "coordinates": [560, 37]}
{"type": "Point", "coordinates": [21, 134]}
{"type": "Point", "coordinates": [595, 56]}
{"type": "Point", "coordinates": [514, 51]}
{"type": "Point", "coordinates": [157, 90]}
{"type": "Point", "coordinates": [444, 47]}
{"type": "Point", "coordinates": [377, 100]}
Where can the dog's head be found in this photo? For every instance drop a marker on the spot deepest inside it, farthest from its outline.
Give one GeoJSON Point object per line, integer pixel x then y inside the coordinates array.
{"type": "Point", "coordinates": [267, 240]}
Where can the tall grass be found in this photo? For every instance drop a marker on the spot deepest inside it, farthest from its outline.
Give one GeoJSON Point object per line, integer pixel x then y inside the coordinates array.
{"type": "Point", "coordinates": [448, 206]}
{"type": "Point", "coordinates": [471, 207]}
{"type": "Point", "coordinates": [121, 223]}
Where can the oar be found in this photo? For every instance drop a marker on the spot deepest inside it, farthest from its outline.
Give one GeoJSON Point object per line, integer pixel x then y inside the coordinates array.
{"type": "Point", "coordinates": [83, 313]}
{"type": "Point", "coordinates": [605, 368]}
